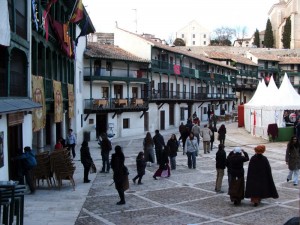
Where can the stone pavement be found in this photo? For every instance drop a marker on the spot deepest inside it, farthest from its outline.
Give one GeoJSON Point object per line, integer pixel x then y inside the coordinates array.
{"type": "Point", "coordinates": [187, 197]}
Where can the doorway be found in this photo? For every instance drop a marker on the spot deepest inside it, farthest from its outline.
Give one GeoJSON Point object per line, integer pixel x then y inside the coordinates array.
{"type": "Point", "coordinates": [14, 142]}
{"type": "Point", "coordinates": [146, 121]}
{"type": "Point", "coordinates": [101, 124]}
{"type": "Point", "coordinates": [162, 120]}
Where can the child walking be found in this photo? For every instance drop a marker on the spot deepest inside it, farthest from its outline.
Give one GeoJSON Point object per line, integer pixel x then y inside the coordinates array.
{"type": "Point", "coordinates": [140, 167]}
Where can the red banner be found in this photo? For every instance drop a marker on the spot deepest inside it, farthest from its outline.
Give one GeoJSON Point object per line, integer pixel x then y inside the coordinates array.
{"type": "Point", "coordinates": [177, 69]}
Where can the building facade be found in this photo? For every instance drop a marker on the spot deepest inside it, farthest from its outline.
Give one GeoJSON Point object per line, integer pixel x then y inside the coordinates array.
{"type": "Point", "coordinates": [38, 75]}
{"type": "Point", "coordinates": [194, 34]}
{"type": "Point", "coordinates": [278, 14]}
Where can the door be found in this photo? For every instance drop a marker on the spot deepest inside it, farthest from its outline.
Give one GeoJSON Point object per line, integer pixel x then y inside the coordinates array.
{"type": "Point", "coordinates": [14, 143]}
{"type": "Point", "coordinates": [171, 114]}
{"type": "Point", "coordinates": [162, 120]}
{"type": "Point", "coordinates": [101, 124]}
{"type": "Point", "coordinates": [146, 121]}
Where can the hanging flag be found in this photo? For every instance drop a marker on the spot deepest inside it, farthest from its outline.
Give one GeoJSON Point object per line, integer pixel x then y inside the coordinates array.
{"type": "Point", "coordinates": [45, 18]}
{"type": "Point", "coordinates": [34, 14]}
{"type": "Point", "coordinates": [78, 12]}
{"type": "Point", "coordinates": [83, 32]}
{"type": "Point", "coordinates": [71, 100]}
{"type": "Point", "coordinates": [66, 46]}
{"type": "Point", "coordinates": [58, 101]}
{"type": "Point", "coordinates": [38, 95]}
{"type": "Point", "coordinates": [4, 25]}
{"type": "Point", "coordinates": [176, 69]}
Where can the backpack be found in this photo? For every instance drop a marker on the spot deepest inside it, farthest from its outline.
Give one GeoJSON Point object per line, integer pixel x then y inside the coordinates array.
{"type": "Point", "coordinates": [30, 161]}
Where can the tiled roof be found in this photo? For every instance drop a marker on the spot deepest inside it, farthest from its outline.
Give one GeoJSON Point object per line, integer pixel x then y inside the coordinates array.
{"type": "Point", "coordinates": [96, 50]}
{"type": "Point", "coordinates": [233, 57]}
{"type": "Point", "coordinates": [289, 60]}
{"type": "Point", "coordinates": [269, 57]}
{"type": "Point", "coordinates": [180, 51]}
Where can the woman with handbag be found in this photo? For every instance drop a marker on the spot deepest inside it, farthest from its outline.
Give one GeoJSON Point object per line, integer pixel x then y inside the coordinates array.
{"type": "Point", "coordinates": [86, 160]}
{"type": "Point", "coordinates": [191, 148]}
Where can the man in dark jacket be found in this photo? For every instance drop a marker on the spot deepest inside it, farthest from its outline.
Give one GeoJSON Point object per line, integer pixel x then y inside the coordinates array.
{"type": "Point", "coordinates": [105, 149]}
{"type": "Point", "coordinates": [159, 143]}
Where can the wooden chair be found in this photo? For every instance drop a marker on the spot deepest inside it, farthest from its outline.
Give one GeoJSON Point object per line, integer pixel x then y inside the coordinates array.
{"type": "Point", "coordinates": [43, 170]}
{"type": "Point", "coordinates": [63, 167]}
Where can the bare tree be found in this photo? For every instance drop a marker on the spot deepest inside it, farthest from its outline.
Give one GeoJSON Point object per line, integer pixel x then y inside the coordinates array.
{"type": "Point", "coordinates": [223, 35]}
{"type": "Point", "coordinates": [240, 34]}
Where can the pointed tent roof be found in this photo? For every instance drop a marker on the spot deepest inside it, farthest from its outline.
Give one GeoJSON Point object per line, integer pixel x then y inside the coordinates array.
{"type": "Point", "coordinates": [270, 100]}
{"type": "Point", "coordinates": [288, 99]}
{"type": "Point", "coordinates": [260, 91]}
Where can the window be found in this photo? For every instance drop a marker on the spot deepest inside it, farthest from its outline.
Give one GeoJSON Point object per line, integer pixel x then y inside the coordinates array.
{"type": "Point", "coordinates": [292, 66]}
{"type": "Point", "coordinates": [204, 42]}
{"type": "Point", "coordinates": [20, 15]}
{"type": "Point", "coordinates": [104, 92]}
{"type": "Point", "coordinates": [182, 35]}
{"type": "Point", "coordinates": [204, 110]}
{"type": "Point", "coordinates": [126, 123]}
{"type": "Point", "coordinates": [181, 113]}
{"type": "Point", "coordinates": [108, 66]}
{"type": "Point", "coordinates": [193, 42]}
{"type": "Point", "coordinates": [194, 35]}
{"type": "Point", "coordinates": [292, 79]}
{"type": "Point", "coordinates": [204, 35]}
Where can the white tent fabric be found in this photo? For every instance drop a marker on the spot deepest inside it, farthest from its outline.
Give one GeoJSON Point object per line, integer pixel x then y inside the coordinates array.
{"type": "Point", "coordinates": [4, 25]}
{"type": "Point", "coordinates": [289, 99]}
{"type": "Point", "coordinates": [267, 107]}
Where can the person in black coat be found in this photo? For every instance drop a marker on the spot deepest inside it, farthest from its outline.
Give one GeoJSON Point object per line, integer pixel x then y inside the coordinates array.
{"type": "Point", "coordinates": [120, 175]}
{"type": "Point", "coordinates": [86, 160]}
{"type": "Point", "coordinates": [105, 149]}
{"type": "Point", "coordinates": [260, 182]}
{"type": "Point", "coordinates": [173, 148]}
{"type": "Point", "coordinates": [159, 143]}
{"type": "Point", "coordinates": [222, 134]}
{"type": "Point", "coordinates": [220, 166]}
{"type": "Point", "coordinates": [235, 163]}
{"type": "Point", "coordinates": [140, 167]}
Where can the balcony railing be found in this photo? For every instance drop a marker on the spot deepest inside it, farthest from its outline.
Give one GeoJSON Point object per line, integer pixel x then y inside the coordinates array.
{"type": "Point", "coordinates": [249, 73]}
{"type": "Point", "coordinates": [115, 103]}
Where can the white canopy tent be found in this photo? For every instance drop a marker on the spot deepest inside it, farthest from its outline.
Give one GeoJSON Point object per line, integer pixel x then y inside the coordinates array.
{"type": "Point", "coordinates": [269, 106]}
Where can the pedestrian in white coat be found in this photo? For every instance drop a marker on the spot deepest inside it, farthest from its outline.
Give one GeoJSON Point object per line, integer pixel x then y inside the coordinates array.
{"type": "Point", "coordinates": [206, 134]}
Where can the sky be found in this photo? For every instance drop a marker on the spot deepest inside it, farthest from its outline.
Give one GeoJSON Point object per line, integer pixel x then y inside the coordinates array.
{"type": "Point", "coordinates": [164, 17]}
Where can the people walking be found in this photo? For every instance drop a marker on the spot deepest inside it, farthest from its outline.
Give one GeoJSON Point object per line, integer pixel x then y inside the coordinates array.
{"type": "Point", "coordinates": [164, 168]}
{"type": "Point", "coordinates": [148, 146]}
{"type": "Point", "coordinates": [191, 149]}
{"type": "Point", "coordinates": [220, 167]}
{"type": "Point", "coordinates": [173, 148]}
{"type": "Point", "coordinates": [71, 142]}
{"type": "Point", "coordinates": [86, 160]}
{"type": "Point", "coordinates": [212, 137]}
{"type": "Point", "coordinates": [105, 149]}
{"type": "Point", "coordinates": [120, 174]}
{"type": "Point", "coordinates": [292, 159]}
{"type": "Point", "coordinates": [196, 131]}
{"type": "Point", "coordinates": [260, 183]}
{"type": "Point", "coordinates": [140, 167]}
{"type": "Point", "coordinates": [222, 134]}
{"type": "Point", "coordinates": [206, 134]}
{"type": "Point", "coordinates": [159, 143]}
{"type": "Point", "coordinates": [184, 135]}
{"type": "Point", "coordinates": [237, 184]}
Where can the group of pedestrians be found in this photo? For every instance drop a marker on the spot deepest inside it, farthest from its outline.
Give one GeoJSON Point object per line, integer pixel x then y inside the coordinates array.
{"type": "Point", "coordinates": [259, 183]}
